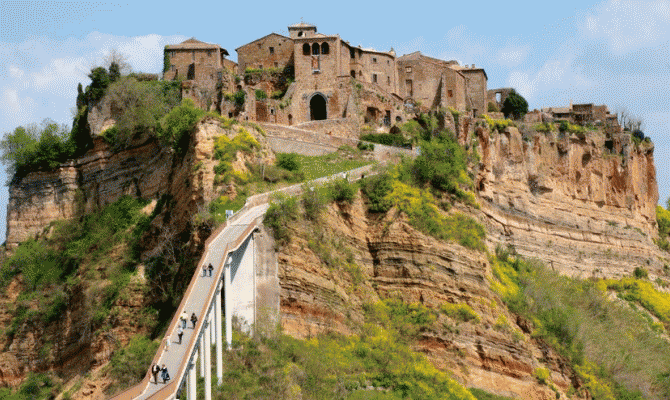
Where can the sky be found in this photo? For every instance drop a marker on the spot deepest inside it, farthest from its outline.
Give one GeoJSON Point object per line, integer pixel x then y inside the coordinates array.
{"type": "Point", "coordinates": [613, 52]}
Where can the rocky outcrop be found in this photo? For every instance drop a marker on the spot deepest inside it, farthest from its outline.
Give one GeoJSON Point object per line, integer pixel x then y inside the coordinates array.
{"type": "Point", "coordinates": [80, 186]}
{"type": "Point", "coordinates": [396, 261]}
{"type": "Point", "coordinates": [584, 204]}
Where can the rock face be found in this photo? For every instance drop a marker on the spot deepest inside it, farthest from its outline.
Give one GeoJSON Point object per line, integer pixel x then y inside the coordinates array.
{"type": "Point", "coordinates": [396, 261]}
{"type": "Point", "coordinates": [98, 178]}
{"type": "Point", "coordinates": [584, 205]}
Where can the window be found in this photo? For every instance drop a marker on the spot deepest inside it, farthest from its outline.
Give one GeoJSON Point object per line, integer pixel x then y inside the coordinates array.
{"type": "Point", "coordinates": [388, 80]}
{"type": "Point", "coordinates": [300, 34]}
{"type": "Point", "coordinates": [352, 73]}
{"type": "Point", "coordinates": [388, 62]}
{"type": "Point", "coordinates": [172, 67]}
{"type": "Point", "coordinates": [324, 48]}
{"type": "Point", "coordinates": [272, 50]}
{"type": "Point", "coordinates": [450, 93]}
{"type": "Point", "coordinates": [171, 53]}
{"type": "Point", "coordinates": [352, 53]}
{"type": "Point", "coordinates": [192, 55]}
{"type": "Point", "coordinates": [374, 60]}
{"type": "Point", "coordinates": [209, 53]}
{"type": "Point", "coordinates": [408, 69]}
{"type": "Point", "coordinates": [374, 78]}
{"type": "Point", "coordinates": [315, 49]}
{"type": "Point", "coordinates": [306, 50]}
{"type": "Point", "coordinates": [260, 45]}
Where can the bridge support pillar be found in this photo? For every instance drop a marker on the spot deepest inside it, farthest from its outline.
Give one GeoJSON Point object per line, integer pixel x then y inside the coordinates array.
{"type": "Point", "coordinates": [192, 392]}
{"type": "Point", "coordinates": [228, 300]}
{"type": "Point", "coordinates": [201, 355]}
{"type": "Point", "coordinates": [219, 341]}
{"type": "Point", "coordinates": [208, 359]}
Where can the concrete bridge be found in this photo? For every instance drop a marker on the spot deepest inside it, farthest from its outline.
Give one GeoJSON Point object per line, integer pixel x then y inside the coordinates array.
{"type": "Point", "coordinates": [233, 252]}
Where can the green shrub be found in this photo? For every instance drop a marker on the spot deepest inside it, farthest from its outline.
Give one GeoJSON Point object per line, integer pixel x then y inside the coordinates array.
{"type": "Point", "coordinates": [514, 106]}
{"type": "Point", "coordinates": [640, 273]}
{"type": "Point", "coordinates": [313, 202]}
{"type": "Point", "coordinates": [365, 146]}
{"type": "Point", "coordinates": [239, 98]}
{"type": "Point", "coordinates": [542, 375]}
{"type": "Point", "coordinates": [376, 189]}
{"type": "Point", "coordinates": [483, 395]}
{"type": "Point", "coordinates": [408, 319]}
{"type": "Point", "coordinates": [342, 190]}
{"type": "Point", "coordinates": [178, 124]}
{"type": "Point", "coordinates": [492, 107]}
{"type": "Point", "coordinates": [387, 139]}
{"type": "Point", "coordinates": [130, 364]}
{"type": "Point", "coordinates": [281, 211]}
{"type": "Point", "coordinates": [260, 94]}
{"type": "Point", "coordinates": [288, 161]}
{"type": "Point", "coordinates": [441, 163]}
{"type": "Point", "coordinates": [544, 127]}
{"type": "Point", "coordinates": [461, 312]}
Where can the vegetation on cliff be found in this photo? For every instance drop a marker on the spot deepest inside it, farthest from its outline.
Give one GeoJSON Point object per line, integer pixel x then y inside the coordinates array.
{"type": "Point", "coordinates": [80, 272]}
{"type": "Point", "coordinates": [617, 352]}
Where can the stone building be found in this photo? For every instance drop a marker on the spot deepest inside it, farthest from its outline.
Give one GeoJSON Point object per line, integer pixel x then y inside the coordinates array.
{"type": "Point", "coordinates": [270, 51]}
{"type": "Point", "coordinates": [498, 96]}
{"type": "Point", "coordinates": [587, 113]}
{"type": "Point", "coordinates": [475, 88]}
{"type": "Point", "coordinates": [203, 69]}
{"type": "Point", "coordinates": [430, 82]}
{"type": "Point", "coordinates": [332, 79]}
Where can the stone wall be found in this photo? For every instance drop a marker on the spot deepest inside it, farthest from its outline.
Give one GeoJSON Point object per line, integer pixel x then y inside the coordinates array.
{"type": "Point", "coordinates": [271, 51]}
{"type": "Point", "coordinates": [475, 82]}
{"type": "Point", "coordinates": [433, 83]}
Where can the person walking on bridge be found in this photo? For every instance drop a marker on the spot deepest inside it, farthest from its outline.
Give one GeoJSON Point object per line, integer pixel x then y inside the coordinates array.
{"type": "Point", "coordinates": [210, 268]}
{"type": "Point", "coordinates": [164, 374]}
{"type": "Point", "coordinates": [155, 369]}
{"type": "Point", "coordinates": [194, 319]}
{"type": "Point", "coordinates": [180, 333]}
{"type": "Point", "coordinates": [183, 318]}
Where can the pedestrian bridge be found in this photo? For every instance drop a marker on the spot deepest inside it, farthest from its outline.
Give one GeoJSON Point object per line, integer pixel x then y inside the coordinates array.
{"type": "Point", "coordinates": [232, 250]}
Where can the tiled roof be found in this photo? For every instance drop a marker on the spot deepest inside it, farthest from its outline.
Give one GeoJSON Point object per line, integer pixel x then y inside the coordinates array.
{"type": "Point", "coordinates": [302, 25]}
{"type": "Point", "coordinates": [193, 43]}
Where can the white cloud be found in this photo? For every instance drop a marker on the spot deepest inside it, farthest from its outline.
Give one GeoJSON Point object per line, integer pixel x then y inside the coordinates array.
{"type": "Point", "coordinates": [628, 24]}
{"type": "Point", "coordinates": [512, 56]}
{"type": "Point", "coordinates": [16, 110]}
{"type": "Point", "coordinates": [15, 72]}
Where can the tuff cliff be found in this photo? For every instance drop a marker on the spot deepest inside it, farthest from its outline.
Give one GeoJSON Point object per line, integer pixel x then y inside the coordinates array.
{"type": "Point", "coordinates": [394, 260]}
{"type": "Point", "coordinates": [583, 203]}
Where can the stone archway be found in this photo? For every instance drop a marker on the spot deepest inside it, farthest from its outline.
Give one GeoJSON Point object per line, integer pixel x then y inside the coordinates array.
{"type": "Point", "coordinates": [317, 108]}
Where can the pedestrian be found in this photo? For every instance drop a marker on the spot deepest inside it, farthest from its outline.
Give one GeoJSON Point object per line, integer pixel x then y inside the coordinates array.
{"type": "Point", "coordinates": [164, 374]}
{"type": "Point", "coordinates": [204, 270]}
{"type": "Point", "coordinates": [210, 268]}
{"type": "Point", "coordinates": [180, 333]}
{"type": "Point", "coordinates": [194, 319]}
{"type": "Point", "coordinates": [155, 369]}
{"type": "Point", "coordinates": [183, 318]}
{"type": "Point", "coordinates": [167, 343]}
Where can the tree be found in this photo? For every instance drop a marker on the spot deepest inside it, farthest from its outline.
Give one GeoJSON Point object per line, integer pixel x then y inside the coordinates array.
{"type": "Point", "coordinates": [99, 82]}
{"type": "Point", "coordinates": [114, 72]}
{"type": "Point", "coordinates": [515, 106]}
{"type": "Point", "coordinates": [118, 58]}
{"type": "Point", "coordinates": [81, 98]}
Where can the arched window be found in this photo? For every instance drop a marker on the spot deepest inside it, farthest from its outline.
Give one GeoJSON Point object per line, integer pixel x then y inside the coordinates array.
{"type": "Point", "coordinates": [315, 49]}
{"type": "Point", "coordinates": [299, 33]}
{"type": "Point", "coordinates": [324, 48]}
{"type": "Point", "coordinates": [353, 73]}
{"type": "Point", "coordinates": [306, 50]}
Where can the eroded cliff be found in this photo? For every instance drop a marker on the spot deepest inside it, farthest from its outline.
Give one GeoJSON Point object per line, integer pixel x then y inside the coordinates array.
{"type": "Point", "coordinates": [585, 204]}
{"type": "Point", "coordinates": [329, 270]}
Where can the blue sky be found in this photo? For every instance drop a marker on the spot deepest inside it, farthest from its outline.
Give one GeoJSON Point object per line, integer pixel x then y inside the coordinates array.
{"type": "Point", "coordinates": [615, 52]}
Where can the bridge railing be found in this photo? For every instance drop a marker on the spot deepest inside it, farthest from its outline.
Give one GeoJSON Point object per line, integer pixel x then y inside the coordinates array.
{"type": "Point", "coordinates": [253, 201]}
{"type": "Point", "coordinates": [173, 386]}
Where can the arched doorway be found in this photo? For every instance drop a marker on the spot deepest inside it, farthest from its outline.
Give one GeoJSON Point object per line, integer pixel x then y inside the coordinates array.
{"type": "Point", "coordinates": [317, 108]}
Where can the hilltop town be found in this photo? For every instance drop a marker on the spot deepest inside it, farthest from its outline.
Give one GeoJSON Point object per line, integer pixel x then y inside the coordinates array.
{"type": "Point", "coordinates": [310, 76]}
